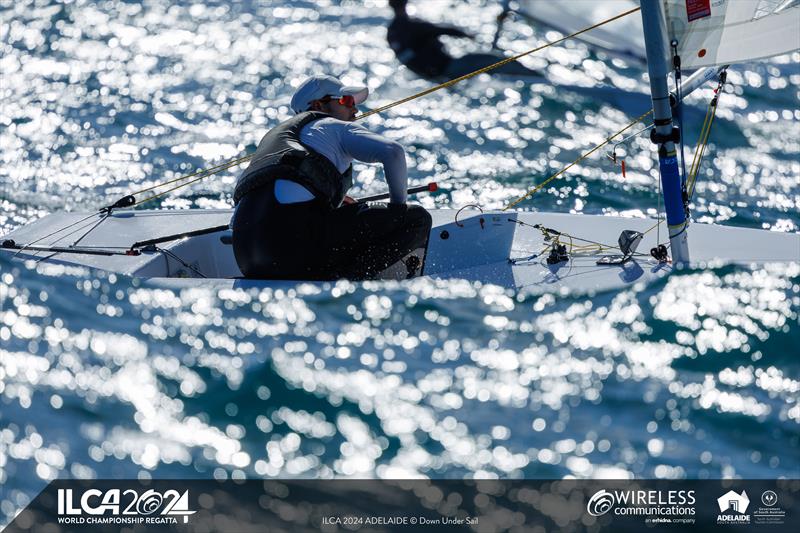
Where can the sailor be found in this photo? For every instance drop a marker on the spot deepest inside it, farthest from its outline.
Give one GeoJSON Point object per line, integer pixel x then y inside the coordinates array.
{"type": "Point", "coordinates": [417, 45]}
{"type": "Point", "coordinates": [293, 218]}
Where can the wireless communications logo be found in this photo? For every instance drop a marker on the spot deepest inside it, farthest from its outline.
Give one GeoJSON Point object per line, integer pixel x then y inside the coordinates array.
{"type": "Point", "coordinates": [600, 503]}
{"type": "Point", "coordinates": [656, 506]}
{"type": "Point", "coordinates": [116, 506]}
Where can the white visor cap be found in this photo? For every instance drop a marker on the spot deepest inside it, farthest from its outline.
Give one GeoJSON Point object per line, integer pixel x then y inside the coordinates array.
{"type": "Point", "coordinates": [317, 87]}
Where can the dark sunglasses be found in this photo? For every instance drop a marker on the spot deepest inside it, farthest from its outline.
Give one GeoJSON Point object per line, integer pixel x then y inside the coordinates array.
{"type": "Point", "coordinates": [347, 100]}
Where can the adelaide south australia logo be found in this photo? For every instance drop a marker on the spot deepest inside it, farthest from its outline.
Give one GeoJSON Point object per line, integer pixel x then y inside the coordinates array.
{"type": "Point", "coordinates": [733, 508]}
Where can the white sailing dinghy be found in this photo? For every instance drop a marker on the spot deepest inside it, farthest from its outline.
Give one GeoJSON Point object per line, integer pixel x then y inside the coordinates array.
{"type": "Point", "coordinates": [526, 251]}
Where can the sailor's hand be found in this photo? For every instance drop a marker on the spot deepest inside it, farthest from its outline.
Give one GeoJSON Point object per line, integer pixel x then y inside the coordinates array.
{"type": "Point", "coordinates": [348, 200]}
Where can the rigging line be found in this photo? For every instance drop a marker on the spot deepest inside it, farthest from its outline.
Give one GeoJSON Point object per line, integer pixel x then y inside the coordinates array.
{"type": "Point", "coordinates": [532, 191]}
{"type": "Point", "coordinates": [703, 135]}
{"type": "Point", "coordinates": [53, 233]}
{"type": "Point", "coordinates": [676, 65]}
{"type": "Point", "coordinates": [654, 226]}
{"type": "Point", "coordinates": [680, 129]}
{"type": "Point", "coordinates": [702, 151]}
{"type": "Point", "coordinates": [706, 131]}
{"type": "Point", "coordinates": [169, 253]}
{"type": "Point", "coordinates": [94, 226]}
{"type": "Point", "coordinates": [493, 66]}
{"type": "Point", "coordinates": [589, 249]}
{"type": "Point", "coordinates": [103, 248]}
{"type": "Point", "coordinates": [682, 231]}
{"type": "Point", "coordinates": [158, 195]}
{"type": "Point", "coordinates": [203, 173]}
{"type": "Point", "coordinates": [64, 237]}
{"type": "Point", "coordinates": [597, 247]}
{"type": "Point", "coordinates": [658, 210]}
{"type": "Point", "coordinates": [45, 258]}
{"type": "Point", "coordinates": [632, 135]}
{"type": "Point", "coordinates": [554, 234]}
{"type": "Point", "coordinates": [701, 148]}
{"type": "Point", "coordinates": [527, 258]}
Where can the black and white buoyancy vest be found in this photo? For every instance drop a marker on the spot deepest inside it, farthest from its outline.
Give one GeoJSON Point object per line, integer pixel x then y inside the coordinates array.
{"type": "Point", "coordinates": [281, 155]}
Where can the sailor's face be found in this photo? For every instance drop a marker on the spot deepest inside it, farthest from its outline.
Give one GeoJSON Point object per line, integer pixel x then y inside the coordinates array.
{"type": "Point", "coordinates": [341, 111]}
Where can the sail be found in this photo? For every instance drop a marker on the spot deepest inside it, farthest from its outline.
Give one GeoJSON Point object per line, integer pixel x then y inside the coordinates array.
{"type": "Point", "coordinates": [622, 38]}
{"type": "Point", "coordinates": [721, 32]}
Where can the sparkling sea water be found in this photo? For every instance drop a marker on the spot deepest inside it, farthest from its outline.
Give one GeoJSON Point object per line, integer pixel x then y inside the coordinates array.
{"type": "Point", "coordinates": [695, 376]}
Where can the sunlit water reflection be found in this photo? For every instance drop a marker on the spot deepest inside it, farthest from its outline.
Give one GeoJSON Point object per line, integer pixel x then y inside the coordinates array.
{"type": "Point", "coordinates": [108, 377]}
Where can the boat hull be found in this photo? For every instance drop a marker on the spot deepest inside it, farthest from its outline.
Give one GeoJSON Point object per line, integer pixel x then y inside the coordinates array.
{"type": "Point", "coordinates": [502, 248]}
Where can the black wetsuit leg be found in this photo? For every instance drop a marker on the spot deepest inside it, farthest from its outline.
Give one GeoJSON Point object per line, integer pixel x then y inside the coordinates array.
{"type": "Point", "coordinates": [309, 241]}
{"type": "Point", "coordinates": [279, 241]}
{"type": "Point", "coordinates": [364, 239]}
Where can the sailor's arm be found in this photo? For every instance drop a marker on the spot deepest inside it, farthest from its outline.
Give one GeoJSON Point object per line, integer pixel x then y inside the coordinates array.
{"type": "Point", "coordinates": [364, 145]}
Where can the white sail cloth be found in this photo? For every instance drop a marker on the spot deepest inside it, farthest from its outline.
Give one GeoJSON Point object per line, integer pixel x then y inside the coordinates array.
{"type": "Point", "coordinates": [721, 32]}
{"type": "Point", "coordinates": [622, 38]}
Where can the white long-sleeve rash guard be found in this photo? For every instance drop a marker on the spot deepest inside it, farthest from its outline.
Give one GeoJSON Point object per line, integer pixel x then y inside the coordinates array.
{"type": "Point", "coordinates": [342, 142]}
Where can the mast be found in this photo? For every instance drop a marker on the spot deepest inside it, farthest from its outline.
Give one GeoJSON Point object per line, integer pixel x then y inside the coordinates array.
{"type": "Point", "coordinates": [655, 46]}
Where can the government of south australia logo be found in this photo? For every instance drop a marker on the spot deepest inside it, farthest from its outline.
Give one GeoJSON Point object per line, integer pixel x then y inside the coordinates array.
{"type": "Point", "coordinates": [769, 498]}
{"type": "Point", "coordinates": [600, 503]}
{"type": "Point", "coordinates": [733, 508]}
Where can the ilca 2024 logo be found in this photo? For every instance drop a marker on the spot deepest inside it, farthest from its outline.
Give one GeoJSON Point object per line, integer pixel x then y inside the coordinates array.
{"type": "Point", "coordinates": [117, 506]}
